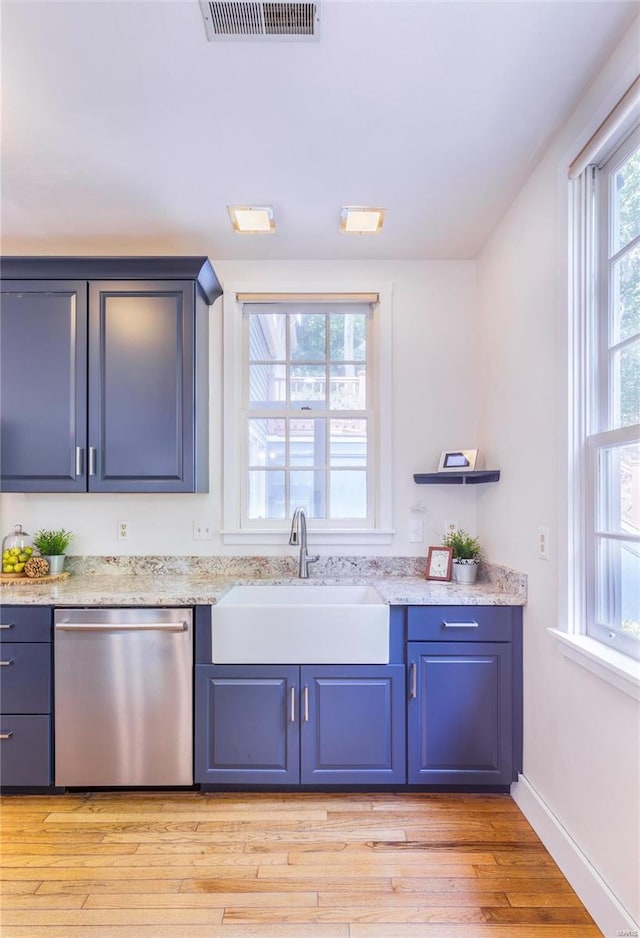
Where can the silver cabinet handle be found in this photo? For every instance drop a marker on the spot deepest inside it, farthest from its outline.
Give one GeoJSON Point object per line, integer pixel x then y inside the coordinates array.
{"type": "Point", "coordinates": [5, 664]}
{"type": "Point", "coordinates": [121, 626]}
{"type": "Point", "coordinates": [79, 460]}
{"type": "Point", "coordinates": [9, 625]}
{"type": "Point", "coordinates": [460, 625]}
{"type": "Point", "coordinates": [413, 692]}
{"type": "Point", "coordinates": [6, 735]}
{"type": "Point", "coordinates": [306, 704]}
{"type": "Point", "coordinates": [92, 460]}
{"type": "Point", "coordinates": [292, 697]}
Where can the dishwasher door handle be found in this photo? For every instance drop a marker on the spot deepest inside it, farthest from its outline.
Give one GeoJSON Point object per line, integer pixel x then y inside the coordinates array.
{"type": "Point", "coordinates": [121, 626]}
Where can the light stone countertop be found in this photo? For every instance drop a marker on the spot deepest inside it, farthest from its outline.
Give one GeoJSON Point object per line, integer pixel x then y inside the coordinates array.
{"type": "Point", "coordinates": [164, 588]}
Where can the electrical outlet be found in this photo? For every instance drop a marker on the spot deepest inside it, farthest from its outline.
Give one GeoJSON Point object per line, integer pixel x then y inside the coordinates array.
{"type": "Point", "coordinates": [202, 531]}
{"type": "Point", "coordinates": [450, 526]}
{"type": "Point", "coordinates": [416, 531]}
{"type": "Point", "coordinates": [543, 543]}
{"type": "Point", "coordinates": [123, 530]}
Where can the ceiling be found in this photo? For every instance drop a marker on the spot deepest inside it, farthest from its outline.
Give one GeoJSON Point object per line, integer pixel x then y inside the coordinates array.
{"type": "Point", "coordinates": [123, 126]}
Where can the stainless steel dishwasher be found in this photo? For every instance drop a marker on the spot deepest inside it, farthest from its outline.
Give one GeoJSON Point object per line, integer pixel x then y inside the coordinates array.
{"type": "Point", "coordinates": [123, 697]}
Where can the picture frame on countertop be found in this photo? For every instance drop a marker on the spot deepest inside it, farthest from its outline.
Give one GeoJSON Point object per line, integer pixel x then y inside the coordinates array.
{"type": "Point", "coordinates": [439, 562]}
{"type": "Point", "coordinates": [458, 460]}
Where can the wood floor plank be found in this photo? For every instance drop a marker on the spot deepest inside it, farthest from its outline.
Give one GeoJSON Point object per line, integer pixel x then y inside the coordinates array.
{"type": "Point", "coordinates": [87, 887]}
{"type": "Point", "coordinates": [127, 917]}
{"type": "Point", "coordinates": [169, 931]}
{"type": "Point", "coordinates": [343, 899]}
{"type": "Point", "coordinates": [473, 931]}
{"type": "Point", "coordinates": [35, 903]}
{"type": "Point", "coordinates": [500, 882]}
{"type": "Point", "coordinates": [196, 900]}
{"type": "Point", "coordinates": [370, 885]}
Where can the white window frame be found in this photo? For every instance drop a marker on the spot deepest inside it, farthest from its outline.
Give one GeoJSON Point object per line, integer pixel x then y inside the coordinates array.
{"type": "Point", "coordinates": [237, 530]}
{"type": "Point", "coordinates": [586, 641]}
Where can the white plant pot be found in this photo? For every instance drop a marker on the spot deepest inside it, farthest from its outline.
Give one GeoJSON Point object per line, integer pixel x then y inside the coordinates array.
{"type": "Point", "coordinates": [465, 571]}
{"type": "Point", "coordinates": [56, 562]}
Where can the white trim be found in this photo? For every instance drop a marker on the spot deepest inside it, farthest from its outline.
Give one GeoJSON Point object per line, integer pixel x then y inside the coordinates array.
{"type": "Point", "coordinates": [231, 531]}
{"type": "Point", "coordinates": [600, 901]}
{"type": "Point", "coordinates": [612, 666]}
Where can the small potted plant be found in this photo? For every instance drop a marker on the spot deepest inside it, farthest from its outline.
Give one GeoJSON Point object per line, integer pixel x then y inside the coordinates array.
{"type": "Point", "coordinates": [52, 545]}
{"type": "Point", "coordinates": [466, 555]}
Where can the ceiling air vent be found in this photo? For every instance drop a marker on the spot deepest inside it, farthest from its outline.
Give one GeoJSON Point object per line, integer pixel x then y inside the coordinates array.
{"type": "Point", "coordinates": [227, 19]}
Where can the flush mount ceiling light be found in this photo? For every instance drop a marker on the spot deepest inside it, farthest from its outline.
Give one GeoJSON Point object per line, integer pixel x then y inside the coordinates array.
{"type": "Point", "coordinates": [252, 219]}
{"type": "Point", "coordinates": [357, 219]}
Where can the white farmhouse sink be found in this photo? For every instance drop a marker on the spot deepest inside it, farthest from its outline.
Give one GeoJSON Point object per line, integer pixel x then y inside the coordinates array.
{"type": "Point", "coordinates": [300, 624]}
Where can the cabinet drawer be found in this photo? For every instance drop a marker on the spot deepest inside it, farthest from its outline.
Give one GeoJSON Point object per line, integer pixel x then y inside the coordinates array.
{"type": "Point", "coordinates": [459, 623]}
{"type": "Point", "coordinates": [25, 677]}
{"type": "Point", "coordinates": [25, 624]}
{"type": "Point", "coordinates": [25, 750]}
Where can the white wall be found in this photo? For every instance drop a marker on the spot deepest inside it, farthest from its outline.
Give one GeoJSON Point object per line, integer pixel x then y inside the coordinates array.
{"type": "Point", "coordinates": [434, 312]}
{"type": "Point", "coordinates": [581, 734]}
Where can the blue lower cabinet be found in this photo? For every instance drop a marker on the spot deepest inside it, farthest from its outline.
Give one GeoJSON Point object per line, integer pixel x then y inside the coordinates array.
{"type": "Point", "coordinates": [460, 713]}
{"type": "Point", "coordinates": [353, 725]}
{"type": "Point", "coordinates": [244, 729]}
{"type": "Point", "coordinates": [290, 724]}
{"type": "Point", "coordinates": [25, 750]}
{"type": "Point", "coordinates": [25, 696]}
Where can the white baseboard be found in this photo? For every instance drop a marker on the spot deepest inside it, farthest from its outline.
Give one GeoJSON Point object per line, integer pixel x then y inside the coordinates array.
{"type": "Point", "coordinates": [610, 916]}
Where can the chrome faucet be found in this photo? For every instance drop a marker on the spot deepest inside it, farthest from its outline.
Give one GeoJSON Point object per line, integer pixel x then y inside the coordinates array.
{"type": "Point", "coordinates": [298, 538]}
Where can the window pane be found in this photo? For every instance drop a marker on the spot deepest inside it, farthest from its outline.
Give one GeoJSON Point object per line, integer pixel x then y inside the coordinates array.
{"type": "Point", "coordinates": [626, 385]}
{"type": "Point", "coordinates": [618, 586]}
{"type": "Point", "coordinates": [308, 336]}
{"type": "Point", "coordinates": [348, 336]}
{"type": "Point", "coordinates": [308, 492]}
{"type": "Point", "coordinates": [267, 336]}
{"type": "Point", "coordinates": [266, 494]}
{"type": "Point", "coordinates": [626, 296]}
{"type": "Point", "coordinates": [308, 384]}
{"type": "Point", "coordinates": [266, 442]}
{"type": "Point", "coordinates": [348, 494]}
{"type": "Point", "coordinates": [348, 387]}
{"type": "Point", "coordinates": [267, 385]}
{"type": "Point", "coordinates": [626, 201]}
{"type": "Point", "coordinates": [619, 490]}
{"type": "Point", "coordinates": [348, 443]}
{"type": "Point", "coordinates": [307, 442]}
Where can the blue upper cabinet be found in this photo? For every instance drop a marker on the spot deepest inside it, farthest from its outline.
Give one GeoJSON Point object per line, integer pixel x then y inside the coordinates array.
{"type": "Point", "coordinates": [105, 380]}
{"type": "Point", "coordinates": [43, 400]}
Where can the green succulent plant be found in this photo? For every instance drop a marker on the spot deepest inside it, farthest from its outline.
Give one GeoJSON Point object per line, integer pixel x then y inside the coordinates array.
{"type": "Point", "coordinates": [52, 543]}
{"type": "Point", "coordinates": [465, 547]}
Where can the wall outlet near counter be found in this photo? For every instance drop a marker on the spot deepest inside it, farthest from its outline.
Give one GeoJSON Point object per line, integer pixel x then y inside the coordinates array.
{"type": "Point", "coordinates": [450, 527]}
{"type": "Point", "coordinates": [543, 543]}
{"type": "Point", "coordinates": [123, 530]}
{"type": "Point", "coordinates": [202, 531]}
{"type": "Point", "coordinates": [416, 531]}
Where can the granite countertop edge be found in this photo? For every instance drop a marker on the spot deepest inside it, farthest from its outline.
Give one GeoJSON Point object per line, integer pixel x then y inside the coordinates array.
{"type": "Point", "coordinates": [93, 589]}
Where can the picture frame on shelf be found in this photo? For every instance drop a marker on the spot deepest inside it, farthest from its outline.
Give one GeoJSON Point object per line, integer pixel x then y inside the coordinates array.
{"type": "Point", "coordinates": [439, 562]}
{"type": "Point", "coordinates": [458, 460]}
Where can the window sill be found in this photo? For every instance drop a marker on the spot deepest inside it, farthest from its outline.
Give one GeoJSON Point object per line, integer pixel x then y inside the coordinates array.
{"type": "Point", "coordinates": [316, 538]}
{"type": "Point", "coordinates": [617, 669]}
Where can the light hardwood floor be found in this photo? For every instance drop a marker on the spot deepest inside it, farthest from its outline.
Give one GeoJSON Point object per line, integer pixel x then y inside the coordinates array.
{"type": "Point", "coordinates": [285, 865]}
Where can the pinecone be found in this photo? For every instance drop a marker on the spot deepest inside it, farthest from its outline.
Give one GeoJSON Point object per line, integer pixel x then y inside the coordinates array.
{"type": "Point", "coordinates": [36, 567]}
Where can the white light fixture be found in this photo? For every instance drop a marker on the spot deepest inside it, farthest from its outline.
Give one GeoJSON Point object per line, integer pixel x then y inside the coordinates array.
{"type": "Point", "coordinates": [252, 219]}
{"type": "Point", "coordinates": [358, 219]}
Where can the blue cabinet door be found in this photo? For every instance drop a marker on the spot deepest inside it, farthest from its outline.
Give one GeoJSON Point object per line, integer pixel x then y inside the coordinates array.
{"type": "Point", "coordinates": [460, 713]}
{"type": "Point", "coordinates": [247, 724]}
{"type": "Point", "coordinates": [353, 726]}
{"type": "Point", "coordinates": [43, 361]}
{"type": "Point", "coordinates": [25, 750]}
{"type": "Point", "coordinates": [142, 400]}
